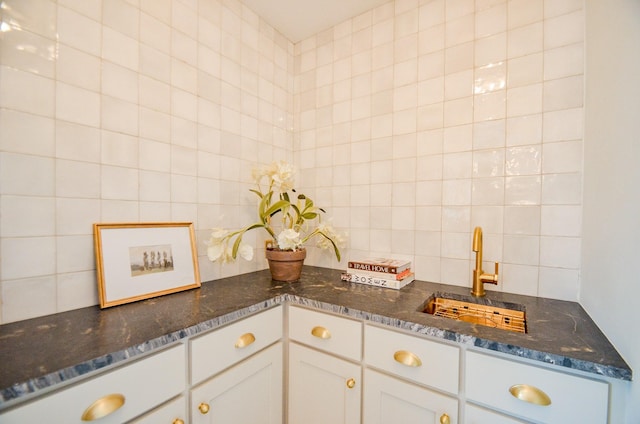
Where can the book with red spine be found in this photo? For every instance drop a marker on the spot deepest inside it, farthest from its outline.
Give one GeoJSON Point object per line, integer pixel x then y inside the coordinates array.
{"type": "Point", "coordinates": [384, 265]}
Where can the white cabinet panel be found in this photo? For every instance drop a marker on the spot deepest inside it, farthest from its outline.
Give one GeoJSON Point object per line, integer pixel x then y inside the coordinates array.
{"type": "Point", "coordinates": [142, 384]}
{"type": "Point", "coordinates": [573, 399]}
{"type": "Point", "coordinates": [215, 351]}
{"type": "Point", "coordinates": [173, 412]}
{"type": "Point", "coordinates": [250, 392]}
{"type": "Point", "coordinates": [323, 389]}
{"type": "Point", "coordinates": [475, 415]}
{"type": "Point", "coordinates": [388, 400]}
{"type": "Point", "coordinates": [439, 363]}
{"type": "Point", "coordinates": [327, 332]}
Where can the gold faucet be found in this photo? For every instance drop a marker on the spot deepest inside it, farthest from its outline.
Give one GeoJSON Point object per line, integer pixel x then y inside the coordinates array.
{"type": "Point", "coordinates": [479, 277]}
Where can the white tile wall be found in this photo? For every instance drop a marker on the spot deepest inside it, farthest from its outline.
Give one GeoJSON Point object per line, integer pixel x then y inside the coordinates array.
{"type": "Point", "coordinates": [150, 110]}
{"type": "Point", "coordinates": [466, 113]}
{"type": "Point", "coordinates": [411, 124]}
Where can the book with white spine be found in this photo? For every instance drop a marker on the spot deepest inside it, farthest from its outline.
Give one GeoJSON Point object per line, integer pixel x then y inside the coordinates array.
{"type": "Point", "coordinates": [391, 283]}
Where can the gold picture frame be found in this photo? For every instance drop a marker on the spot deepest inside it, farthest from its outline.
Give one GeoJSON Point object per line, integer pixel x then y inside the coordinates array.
{"type": "Point", "coordinates": [137, 261]}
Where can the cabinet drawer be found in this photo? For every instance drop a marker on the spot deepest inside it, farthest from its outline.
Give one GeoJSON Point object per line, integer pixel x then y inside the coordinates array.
{"type": "Point", "coordinates": [333, 334]}
{"type": "Point", "coordinates": [437, 364]}
{"type": "Point", "coordinates": [573, 399]}
{"type": "Point", "coordinates": [143, 385]}
{"type": "Point", "coordinates": [215, 351]}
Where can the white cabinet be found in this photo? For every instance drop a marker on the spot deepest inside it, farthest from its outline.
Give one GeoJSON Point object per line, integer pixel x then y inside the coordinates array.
{"type": "Point", "coordinates": [219, 349]}
{"type": "Point", "coordinates": [534, 393]}
{"type": "Point", "coordinates": [241, 380]}
{"type": "Point", "coordinates": [113, 397]}
{"type": "Point", "coordinates": [322, 388]}
{"type": "Point", "coordinates": [388, 400]}
{"type": "Point", "coordinates": [250, 392]}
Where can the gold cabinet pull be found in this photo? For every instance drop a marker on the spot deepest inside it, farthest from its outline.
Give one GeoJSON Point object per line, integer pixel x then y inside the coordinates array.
{"type": "Point", "coordinates": [351, 383]}
{"type": "Point", "coordinates": [203, 408]}
{"type": "Point", "coordinates": [407, 358]}
{"type": "Point", "coordinates": [245, 340]}
{"type": "Point", "coordinates": [321, 332]}
{"type": "Point", "coordinates": [103, 407]}
{"type": "Point", "coordinates": [530, 394]}
{"type": "Point", "coordinates": [444, 419]}
{"type": "Point", "coordinates": [177, 421]}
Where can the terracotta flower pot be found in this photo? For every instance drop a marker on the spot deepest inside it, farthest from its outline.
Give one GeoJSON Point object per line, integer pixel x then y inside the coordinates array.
{"type": "Point", "coordinates": [285, 265]}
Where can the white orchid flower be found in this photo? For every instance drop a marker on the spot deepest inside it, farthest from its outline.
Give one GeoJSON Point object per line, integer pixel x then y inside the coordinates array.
{"type": "Point", "coordinates": [246, 251]}
{"type": "Point", "coordinates": [214, 251]}
{"type": "Point", "coordinates": [289, 239]}
{"type": "Point", "coordinates": [282, 176]}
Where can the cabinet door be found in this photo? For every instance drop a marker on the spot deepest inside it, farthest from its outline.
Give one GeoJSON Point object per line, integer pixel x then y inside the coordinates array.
{"type": "Point", "coordinates": [250, 392]}
{"type": "Point", "coordinates": [322, 388]}
{"type": "Point", "coordinates": [388, 400]}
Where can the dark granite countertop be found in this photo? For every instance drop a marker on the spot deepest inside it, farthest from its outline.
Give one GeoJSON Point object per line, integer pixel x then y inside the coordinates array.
{"type": "Point", "coordinates": [40, 353]}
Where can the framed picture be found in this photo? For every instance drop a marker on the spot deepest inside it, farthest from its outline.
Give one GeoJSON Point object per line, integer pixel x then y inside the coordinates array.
{"type": "Point", "coordinates": [140, 261]}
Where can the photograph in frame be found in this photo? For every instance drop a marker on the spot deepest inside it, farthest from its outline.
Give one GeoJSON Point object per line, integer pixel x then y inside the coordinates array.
{"type": "Point", "coordinates": [137, 261]}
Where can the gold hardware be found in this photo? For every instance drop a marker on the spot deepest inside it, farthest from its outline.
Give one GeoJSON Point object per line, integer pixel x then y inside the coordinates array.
{"type": "Point", "coordinates": [479, 277]}
{"type": "Point", "coordinates": [407, 358]}
{"type": "Point", "coordinates": [321, 332]}
{"type": "Point", "coordinates": [444, 419]}
{"type": "Point", "coordinates": [491, 316]}
{"type": "Point", "coordinates": [245, 340]}
{"type": "Point", "coordinates": [530, 394]}
{"type": "Point", "coordinates": [203, 408]}
{"type": "Point", "coordinates": [351, 383]}
{"type": "Point", "coordinates": [177, 421]}
{"type": "Point", "coordinates": [103, 407]}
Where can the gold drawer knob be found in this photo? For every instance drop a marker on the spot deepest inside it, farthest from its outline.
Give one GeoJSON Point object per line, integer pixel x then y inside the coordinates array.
{"type": "Point", "coordinates": [177, 421]}
{"type": "Point", "coordinates": [444, 419]}
{"type": "Point", "coordinates": [321, 332]}
{"type": "Point", "coordinates": [351, 383]}
{"type": "Point", "coordinates": [203, 408]}
{"type": "Point", "coordinates": [103, 407]}
{"type": "Point", "coordinates": [530, 394]}
{"type": "Point", "coordinates": [245, 340]}
{"type": "Point", "coordinates": [407, 358]}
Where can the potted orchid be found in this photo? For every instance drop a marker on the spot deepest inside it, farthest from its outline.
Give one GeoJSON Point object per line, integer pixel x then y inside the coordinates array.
{"type": "Point", "coordinates": [289, 218]}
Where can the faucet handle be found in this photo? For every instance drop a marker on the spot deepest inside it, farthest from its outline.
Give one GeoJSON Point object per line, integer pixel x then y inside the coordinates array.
{"type": "Point", "coordinates": [497, 266]}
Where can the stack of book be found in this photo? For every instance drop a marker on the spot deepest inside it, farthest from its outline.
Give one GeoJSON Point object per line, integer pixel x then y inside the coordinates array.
{"type": "Point", "coordinates": [381, 272]}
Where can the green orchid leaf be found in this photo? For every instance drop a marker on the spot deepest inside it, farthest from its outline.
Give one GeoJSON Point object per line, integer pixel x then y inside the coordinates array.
{"type": "Point", "coordinates": [335, 247]}
{"type": "Point", "coordinates": [280, 205]}
{"type": "Point", "coordinates": [260, 195]}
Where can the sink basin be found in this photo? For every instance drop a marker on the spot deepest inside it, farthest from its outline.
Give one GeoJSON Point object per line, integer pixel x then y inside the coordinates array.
{"type": "Point", "coordinates": [505, 316]}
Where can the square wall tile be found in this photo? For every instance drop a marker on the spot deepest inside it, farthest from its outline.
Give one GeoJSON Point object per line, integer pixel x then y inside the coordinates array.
{"type": "Point", "coordinates": [27, 216]}
{"type": "Point", "coordinates": [26, 298]}
{"type": "Point", "coordinates": [17, 258]}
